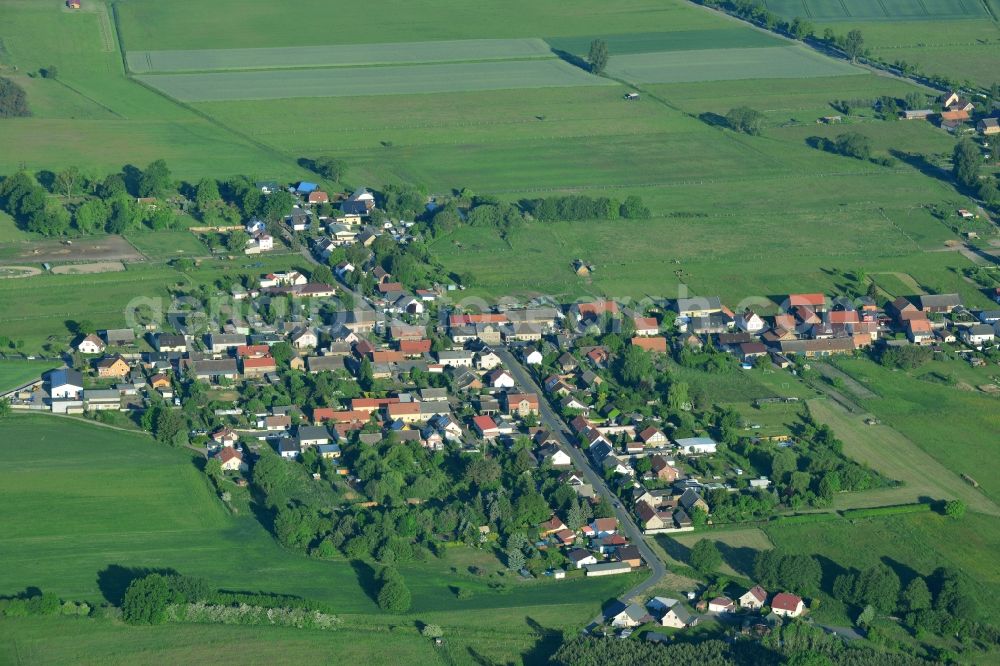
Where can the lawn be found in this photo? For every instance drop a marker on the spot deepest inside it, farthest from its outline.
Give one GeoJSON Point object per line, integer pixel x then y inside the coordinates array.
{"type": "Point", "coordinates": [964, 442]}
{"type": "Point", "coordinates": [126, 503]}
{"type": "Point", "coordinates": [780, 62]}
{"type": "Point", "coordinates": [738, 547]}
{"type": "Point", "coordinates": [168, 244]}
{"type": "Point", "coordinates": [14, 373]}
{"type": "Point", "coordinates": [340, 55]}
{"type": "Point", "coordinates": [388, 80]}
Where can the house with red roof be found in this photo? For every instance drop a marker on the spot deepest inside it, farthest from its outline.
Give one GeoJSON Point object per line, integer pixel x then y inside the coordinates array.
{"type": "Point", "coordinates": [787, 605]}
{"type": "Point", "coordinates": [231, 459]}
{"type": "Point", "coordinates": [815, 302]}
{"type": "Point", "coordinates": [486, 427]}
{"type": "Point", "coordinates": [657, 344]}
{"type": "Point", "coordinates": [645, 326]}
{"type": "Point", "coordinates": [258, 366]}
{"type": "Point", "coordinates": [754, 598]}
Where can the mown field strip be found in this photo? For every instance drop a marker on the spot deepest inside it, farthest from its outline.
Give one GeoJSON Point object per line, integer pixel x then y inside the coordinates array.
{"type": "Point", "coordinates": [335, 55]}
{"type": "Point", "coordinates": [679, 40]}
{"type": "Point", "coordinates": [357, 81]}
{"type": "Point", "coordinates": [870, 10]}
{"type": "Point", "coordinates": [726, 64]}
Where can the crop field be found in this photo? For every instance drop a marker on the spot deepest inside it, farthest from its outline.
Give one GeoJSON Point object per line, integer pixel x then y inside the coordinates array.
{"type": "Point", "coordinates": [338, 55]}
{"type": "Point", "coordinates": [355, 81]}
{"type": "Point", "coordinates": [680, 40]}
{"type": "Point", "coordinates": [778, 62]}
{"type": "Point", "coordinates": [913, 402]}
{"type": "Point", "coordinates": [887, 10]}
{"type": "Point", "coordinates": [127, 502]}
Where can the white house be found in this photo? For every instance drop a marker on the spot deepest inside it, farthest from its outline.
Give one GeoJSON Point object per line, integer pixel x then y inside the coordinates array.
{"type": "Point", "coordinates": [754, 598]}
{"type": "Point", "coordinates": [750, 322]}
{"type": "Point", "coordinates": [487, 360]}
{"type": "Point", "coordinates": [678, 617]}
{"type": "Point", "coordinates": [231, 459]}
{"type": "Point", "coordinates": [721, 605]}
{"type": "Point", "coordinates": [581, 558]}
{"type": "Point", "coordinates": [91, 345]}
{"type": "Point", "coordinates": [289, 279]}
{"type": "Point", "coordinates": [556, 456]}
{"type": "Point", "coordinates": [304, 338]}
{"type": "Point", "coordinates": [787, 605]}
{"type": "Point", "coordinates": [533, 357]}
{"type": "Point", "coordinates": [456, 359]}
{"type": "Point", "coordinates": [697, 445]}
{"type": "Point", "coordinates": [978, 335]}
{"type": "Point", "coordinates": [631, 616]}
{"type": "Point", "coordinates": [500, 379]}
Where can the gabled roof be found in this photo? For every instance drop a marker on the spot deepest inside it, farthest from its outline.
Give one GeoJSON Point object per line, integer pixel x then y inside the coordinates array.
{"type": "Point", "coordinates": [786, 602]}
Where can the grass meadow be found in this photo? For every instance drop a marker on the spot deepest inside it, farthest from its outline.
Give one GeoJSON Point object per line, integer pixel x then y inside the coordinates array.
{"type": "Point", "coordinates": [913, 402]}
{"type": "Point", "coordinates": [14, 373]}
{"type": "Point", "coordinates": [126, 503]}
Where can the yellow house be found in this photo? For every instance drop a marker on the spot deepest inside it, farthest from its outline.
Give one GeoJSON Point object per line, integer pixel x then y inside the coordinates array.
{"type": "Point", "coordinates": [113, 367]}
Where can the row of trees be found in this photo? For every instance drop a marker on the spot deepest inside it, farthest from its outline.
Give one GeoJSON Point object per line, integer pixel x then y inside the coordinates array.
{"type": "Point", "coordinates": [13, 100]}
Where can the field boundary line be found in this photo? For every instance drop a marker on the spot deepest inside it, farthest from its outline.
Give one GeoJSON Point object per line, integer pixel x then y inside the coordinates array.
{"type": "Point", "coordinates": [104, 21]}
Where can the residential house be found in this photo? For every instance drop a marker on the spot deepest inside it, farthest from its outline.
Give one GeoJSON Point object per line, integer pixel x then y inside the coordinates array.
{"type": "Point", "coordinates": [90, 345]}
{"type": "Point", "coordinates": [939, 303]}
{"type": "Point", "coordinates": [215, 370]}
{"type": "Point", "coordinates": [604, 526]}
{"type": "Point", "coordinates": [632, 615]}
{"type": "Point", "coordinates": [555, 456]}
{"type": "Point", "coordinates": [663, 470]}
{"type": "Point", "coordinates": [117, 337]}
{"type": "Point", "coordinates": [785, 604]}
{"type": "Point", "coordinates": [919, 331]}
{"type": "Point", "coordinates": [551, 526]}
{"type": "Point", "coordinates": [532, 356]}
{"type": "Point", "coordinates": [304, 338]}
{"type": "Point", "coordinates": [566, 362]}
{"type": "Point", "coordinates": [814, 302]}
{"type": "Point", "coordinates": [678, 617]}
{"type": "Point", "coordinates": [581, 558]}
{"type": "Point", "coordinates": [691, 500]}
{"type": "Point", "coordinates": [258, 366]}
{"type": "Point", "coordinates": [645, 326]}
{"type": "Point", "coordinates": [721, 605]}
{"type": "Point", "coordinates": [487, 359]}
{"type": "Point", "coordinates": [231, 459]}
{"type": "Point", "coordinates": [289, 449]}
{"type": "Point", "coordinates": [312, 436]}
{"type": "Point", "coordinates": [328, 451]}
{"type": "Point", "coordinates": [988, 126]}
{"type": "Point", "coordinates": [978, 335]}
{"type": "Point", "coordinates": [749, 321]}
{"type": "Point", "coordinates": [754, 598]}
{"type": "Point", "coordinates": [651, 519]}
{"type": "Point", "coordinates": [486, 427]}
{"type": "Point", "coordinates": [653, 437]}
{"type": "Point", "coordinates": [223, 342]}
{"type": "Point", "coordinates": [521, 404]}
{"type": "Point", "coordinates": [499, 378]}
{"type": "Point", "coordinates": [166, 342]}
{"type": "Point", "coordinates": [456, 359]}
{"type": "Point", "coordinates": [224, 436]}
{"type": "Point", "coordinates": [114, 366]}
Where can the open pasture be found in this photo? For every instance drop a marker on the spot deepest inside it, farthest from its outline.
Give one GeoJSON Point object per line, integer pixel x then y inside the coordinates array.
{"type": "Point", "coordinates": [335, 55]}
{"type": "Point", "coordinates": [168, 244]}
{"type": "Point", "coordinates": [726, 64]}
{"type": "Point", "coordinates": [152, 25]}
{"type": "Point", "coordinates": [14, 373]}
{"type": "Point", "coordinates": [93, 248]}
{"type": "Point", "coordinates": [389, 80]}
{"type": "Point", "coordinates": [885, 10]}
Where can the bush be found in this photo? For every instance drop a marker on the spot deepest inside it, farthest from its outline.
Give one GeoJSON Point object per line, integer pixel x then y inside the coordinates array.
{"type": "Point", "coordinates": [146, 600]}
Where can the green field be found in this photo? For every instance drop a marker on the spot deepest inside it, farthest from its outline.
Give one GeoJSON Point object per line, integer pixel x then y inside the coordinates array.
{"type": "Point", "coordinates": [14, 373]}
{"type": "Point", "coordinates": [168, 244]}
{"type": "Point", "coordinates": [126, 502]}
{"type": "Point", "coordinates": [781, 62]}
{"type": "Point", "coordinates": [884, 10]}
{"type": "Point", "coordinates": [358, 81]}
{"type": "Point", "coordinates": [340, 55]}
{"type": "Point", "coordinates": [151, 25]}
{"type": "Point", "coordinates": [681, 40]}
{"type": "Point", "coordinates": [913, 403]}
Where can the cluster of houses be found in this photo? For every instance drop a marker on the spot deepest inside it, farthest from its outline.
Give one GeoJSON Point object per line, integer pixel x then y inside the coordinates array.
{"type": "Point", "coordinates": [599, 548]}
{"type": "Point", "coordinates": [955, 112]}
{"type": "Point", "coordinates": [667, 612]}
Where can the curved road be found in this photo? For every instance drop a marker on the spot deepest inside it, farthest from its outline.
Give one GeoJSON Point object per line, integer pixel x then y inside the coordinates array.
{"type": "Point", "coordinates": [560, 430]}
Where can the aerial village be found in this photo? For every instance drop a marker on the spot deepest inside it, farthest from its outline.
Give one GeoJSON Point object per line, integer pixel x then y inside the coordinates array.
{"type": "Point", "coordinates": [554, 381]}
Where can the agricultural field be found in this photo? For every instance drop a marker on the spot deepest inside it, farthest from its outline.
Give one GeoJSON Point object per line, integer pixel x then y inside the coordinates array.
{"type": "Point", "coordinates": [163, 245]}
{"type": "Point", "coordinates": [14, 373]}
{"type": "Point", "coordinates": [781, 62]}
{"type": "Point", "coordinates": [120, 494]}
{"type": "Point", "coordinates": [912, 403]}
{"type": "Point", "coordinates": [388, 80]}
{"type": "Point", "coordinates": [738, 547]}
{"type": "Point", "coordinates": [957, 39]}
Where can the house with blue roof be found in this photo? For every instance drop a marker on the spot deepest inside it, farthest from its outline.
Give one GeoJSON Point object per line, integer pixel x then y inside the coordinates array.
{"type": "Point", "coordinates": [305, 187]}
{"type": "Point", "coordinates": [328, 450]}
{"type": "Point", "coordinates": [65, 384]}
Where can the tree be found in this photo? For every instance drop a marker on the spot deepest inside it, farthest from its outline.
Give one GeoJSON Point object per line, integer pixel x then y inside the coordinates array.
{"type": "Point", "coordinates": [633, 208]}
{"type": "Point", "coordinates": [965, 162]}
{"type": "Point", "coordinates": [515, 559]}
{"type": "Point", "coordinates": [4, 407]}
{"type": "Point", "coordinates": [155, 180]}
{"type": "Point", "coordinates": [393, 596]}
{"type": "Point", "coordinates": [146, 600]}
{"type": "Point", "coordinates": [431, 631]}
{"type": "Point", "coordinates": [955, 508]}
{"type": "Point", "coordinates": [67, 180]}
{"type": "Point", "coordinates": [705, 556]}
{"type": "Point", "coordinates": [322, 274]}
{"type": "Point", "coordinates": [329, 168]}
{"type": "Point", "coordinates": [853, 144]}
{"type": "Point", "coordinates": [916, 596]}
{"type": "Point", "coordinates": [598, 56]}
{"type": "Point", "coordinates": [746, 120]}
{"type": "Point", "coordinates": [91, 216]}
{"type": "Point", "coordinates": [237, 240]}
{"type": "Point", "coordinates": [800, 29]}
{"type": "Point", "coordinates": [854, 44]}
{"type": "Point", "coordinates": [878, 586]}
{"type": "Point", "coordinates": [13, 100]}
{"type": "Point", "coordinates": [207, 194]}
{"type": "Point", "coordinates": [50, 72]}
